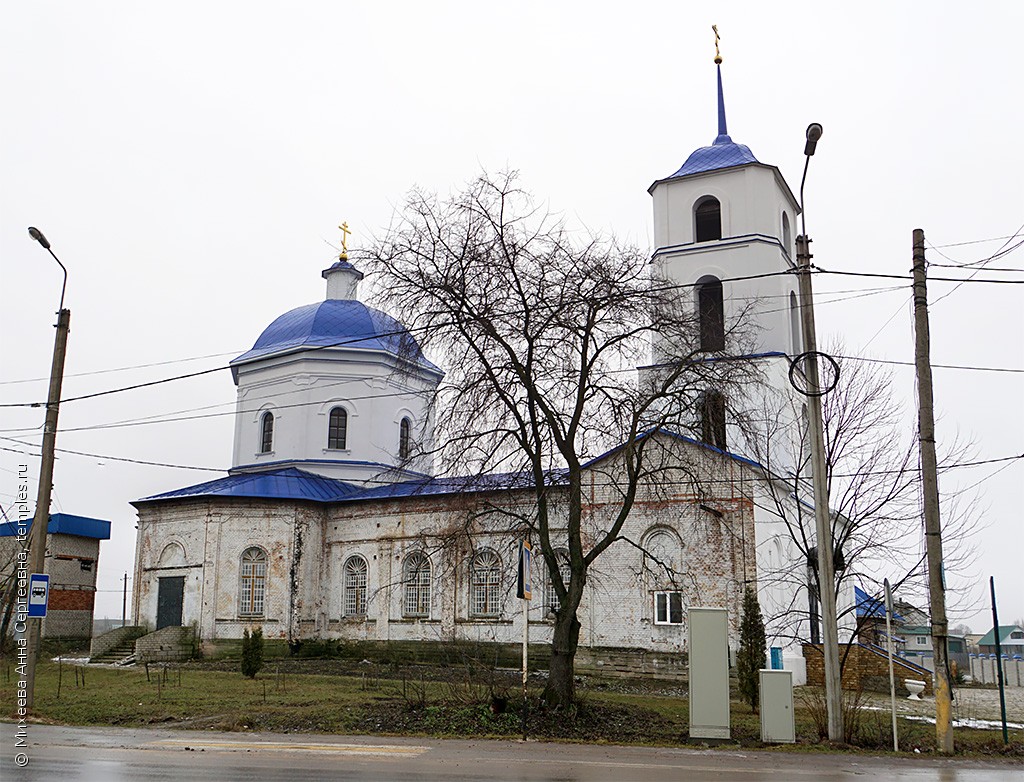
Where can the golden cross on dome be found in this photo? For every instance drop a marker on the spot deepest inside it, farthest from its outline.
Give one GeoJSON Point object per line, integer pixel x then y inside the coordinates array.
{"type": "Point", "coordinates": [718, 55]}
{"type": "Point", "coordinates": [344, 240]}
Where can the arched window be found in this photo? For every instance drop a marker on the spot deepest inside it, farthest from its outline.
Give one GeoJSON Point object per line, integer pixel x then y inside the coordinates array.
{"type": "Point", "coordinates": [267, 432]}
{"type": "Point", "coordinates": [337, 429]}
{"type": "Point", "coordinates": [485, 584]}
{"type": "Point", "coordinates": [417, 585]}
{"type": "Point", "coordinates": [661, 555]}
{"type": "Point", "coordinates": [253, 586]}
{"type": "Point", "coordinates": [355, 586]}
{"type": "Point", "coordinates": [405, 438]}
{"type": "Point", "coordinates": [787, 235]}
{"type": "Point", "coordinates": [711, 312]}
{"type": "Point", "coordinates": [551, 601]}
{"type": "Point", "coordinates": [707, 220]}
{"type": "Point", "coordinates": [794, 324]}
{"type": "Point", "coordinates": [712, 419]}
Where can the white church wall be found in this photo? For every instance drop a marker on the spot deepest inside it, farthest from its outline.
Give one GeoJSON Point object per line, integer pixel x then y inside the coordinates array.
{"type": "Point", "coordinates": [301, 389]}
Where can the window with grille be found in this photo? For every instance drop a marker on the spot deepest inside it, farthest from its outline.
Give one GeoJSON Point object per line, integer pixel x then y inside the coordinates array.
{"type": "Point", "coordinates": [405, 438]}
{"type": "Point", "coordinates": [254, 582]}
{"type": "Point", "coordinates": [337, 429]}
{"type": "Point", "coordinates": [485, 584]}
{"type": "Point", "coordinates": [267, 433]}
{"type": "Point", "coordinates": [668, 608]}
{"type": "Point", "coordinates": [355, 586]}
{"type": "Point", "coordinates": [417, 585]}
{"type": "Point", "coordinates": [551, 601]}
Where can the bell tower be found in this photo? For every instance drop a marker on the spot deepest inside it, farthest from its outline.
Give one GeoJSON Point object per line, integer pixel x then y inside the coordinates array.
{"type": "Point", "coordinates": [722, 216]}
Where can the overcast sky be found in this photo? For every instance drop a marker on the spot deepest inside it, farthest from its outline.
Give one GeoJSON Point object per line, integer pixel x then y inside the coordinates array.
{"type": "Point", "coordinates": [190, 163]}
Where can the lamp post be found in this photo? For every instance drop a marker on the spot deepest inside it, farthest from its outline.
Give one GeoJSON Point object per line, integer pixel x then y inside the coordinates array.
{"type": "Point", "coordinates": [41, 520]}
{"type": "Point", "coordinates": [822, 516]}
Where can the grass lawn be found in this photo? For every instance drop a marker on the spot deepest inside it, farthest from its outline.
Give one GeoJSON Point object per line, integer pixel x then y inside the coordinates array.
{"type": "Point", "coordinates": [317, 696]}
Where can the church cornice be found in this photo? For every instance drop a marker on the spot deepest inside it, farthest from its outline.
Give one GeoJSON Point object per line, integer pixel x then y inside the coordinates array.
{"type": "Point", "coordinates": [725, 243]}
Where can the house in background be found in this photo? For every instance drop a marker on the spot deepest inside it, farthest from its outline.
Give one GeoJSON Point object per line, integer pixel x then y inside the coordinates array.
{"type": "Point", "coordinates": [72, 560]}
{"type": "Point", "coordinates": [1011, 641]}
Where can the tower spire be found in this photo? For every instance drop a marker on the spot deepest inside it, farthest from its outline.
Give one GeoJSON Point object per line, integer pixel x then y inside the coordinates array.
{"type": "Point", "coordinates": [723, 132]}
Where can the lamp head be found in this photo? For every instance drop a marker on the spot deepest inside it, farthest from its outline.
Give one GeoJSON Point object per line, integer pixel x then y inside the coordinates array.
{"type": "Point", "coordinates": [814, 132]}
{"type": "Point", "coordinates": [36, 234]}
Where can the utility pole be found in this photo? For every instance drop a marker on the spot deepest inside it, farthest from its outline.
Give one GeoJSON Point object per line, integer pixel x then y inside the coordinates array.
{"type": "Point", "coordinates": [124, 602]}
{"type": "Point", "coordinates": [41, 520]}
{"type": "Point", "coordinates": [930, 490]}
{"type": "Point", "coordinates": [822, 516]}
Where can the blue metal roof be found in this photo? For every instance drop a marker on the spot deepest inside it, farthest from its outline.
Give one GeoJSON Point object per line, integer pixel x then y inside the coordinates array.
{"type": "Point", "coordinates": [64, 524]}
{"type": "Point", "coordinates": [336, 323]}
{"type": "Point", "coordinates": [285, 484]}
{"type": "Point", "coordinates": [461, 484]}
{"type": "Point", "coordinates": [723, 152]}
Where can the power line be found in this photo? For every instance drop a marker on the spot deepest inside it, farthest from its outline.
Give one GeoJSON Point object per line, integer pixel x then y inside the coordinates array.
{"type": "Point", "coordinates": [934, 366]}
{"type": "Point", "coordinates": [113, 458]}
{"type": "Point", "coordinates": [960, 280]}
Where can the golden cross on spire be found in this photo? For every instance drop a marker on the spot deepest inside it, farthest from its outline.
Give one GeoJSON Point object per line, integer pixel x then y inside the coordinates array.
{"type": "Point", "coordinates": [344, 241]}
{"type": "Point", "coordinates": [718, 55]}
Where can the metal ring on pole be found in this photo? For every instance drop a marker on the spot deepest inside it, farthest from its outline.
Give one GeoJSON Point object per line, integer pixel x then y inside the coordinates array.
{"type": "Point", "coordinates": [794, 363]}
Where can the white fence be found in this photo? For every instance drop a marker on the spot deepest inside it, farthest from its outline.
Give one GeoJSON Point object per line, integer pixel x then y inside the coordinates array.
{"type": "Point", "coordinates": [983, 669]}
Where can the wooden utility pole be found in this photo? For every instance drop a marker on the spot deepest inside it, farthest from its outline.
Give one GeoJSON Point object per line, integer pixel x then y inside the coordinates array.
{"type": "Point", "coordinates": [41, 520]}
{"type": "Point", "coordinates": [930, 491]}
{"type": "Point", "coordinates": [822, 515]}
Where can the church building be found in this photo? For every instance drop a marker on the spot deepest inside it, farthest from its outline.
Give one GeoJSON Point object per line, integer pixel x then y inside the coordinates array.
{"type": "Point", "coordinates": [328, 526]}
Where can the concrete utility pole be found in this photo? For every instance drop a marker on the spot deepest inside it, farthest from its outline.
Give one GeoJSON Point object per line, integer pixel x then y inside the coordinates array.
{"type": "Point", "coordinates": [930, 490]}
{"type": "Point", "coordinates": [41, 520]}
{"type": "Point", "coordinates": [822, 515]}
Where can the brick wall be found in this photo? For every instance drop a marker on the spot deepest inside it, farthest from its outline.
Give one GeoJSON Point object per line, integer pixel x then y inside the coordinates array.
{"type": "Point", "coordinates": [169, 644]}
{"type": "Point", "coordinates": [865, 670]}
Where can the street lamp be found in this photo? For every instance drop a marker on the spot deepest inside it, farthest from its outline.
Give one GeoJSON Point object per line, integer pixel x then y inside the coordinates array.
{"type": "Point", "coordinates": [41, 520]}
{"type": "Point", "coordinates": [822, 516]}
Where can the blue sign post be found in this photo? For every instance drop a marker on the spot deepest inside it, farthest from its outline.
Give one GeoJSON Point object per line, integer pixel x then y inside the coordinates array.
{"type": "Point", "coordinates": [38, 594]}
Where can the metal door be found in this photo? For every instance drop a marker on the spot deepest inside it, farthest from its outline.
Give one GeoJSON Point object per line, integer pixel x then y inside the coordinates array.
{"type": "Point", "coordinates": [169, 599]}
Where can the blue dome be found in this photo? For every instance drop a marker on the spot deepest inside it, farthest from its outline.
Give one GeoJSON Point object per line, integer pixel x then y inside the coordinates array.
{"type": "Point", "coordinates": [343, 323]}
{"type": "Point", "coordinates": [724, 153]}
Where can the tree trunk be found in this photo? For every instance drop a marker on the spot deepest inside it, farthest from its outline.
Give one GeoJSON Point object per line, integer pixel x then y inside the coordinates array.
{"type": "Point", "coordinates": [561, 688]}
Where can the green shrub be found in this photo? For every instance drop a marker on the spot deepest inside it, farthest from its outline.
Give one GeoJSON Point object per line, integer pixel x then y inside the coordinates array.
{"type": "Point", "coordinates": [753, 646]}
{"type": "Point", "coordinates": [252, 652]}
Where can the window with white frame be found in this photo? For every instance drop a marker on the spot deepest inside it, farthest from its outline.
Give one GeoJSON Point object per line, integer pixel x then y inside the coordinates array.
{"type": "Point", "coordinates": [668, 608]}
{"type": "Point", "coordinates": [405, 438]}
{"type": "Point", "coordinates": [337, 429]}
{"type": "Point", "coordinates": [485, 584]}
{"type": "Point", "coordinates": [417, 585]}
{"type": "Point", "coordinates": [267, 432]}
{"type": "Point", "coordinates": [922, 640]}
{"type": "Point", "coordinates": [355, 586]}
{"type": "Point", "coordinates": [551, 601]}
{"type": "Point", "coordinates": [253, 584]}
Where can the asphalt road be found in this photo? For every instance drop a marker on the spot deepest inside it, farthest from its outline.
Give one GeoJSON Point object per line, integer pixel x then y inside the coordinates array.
{"type": "Point", "coordinates": [122, 755]}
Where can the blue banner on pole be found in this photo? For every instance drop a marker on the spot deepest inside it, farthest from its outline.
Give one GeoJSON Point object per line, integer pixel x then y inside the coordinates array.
{"type": "Point", "coordinates": [38, 594]}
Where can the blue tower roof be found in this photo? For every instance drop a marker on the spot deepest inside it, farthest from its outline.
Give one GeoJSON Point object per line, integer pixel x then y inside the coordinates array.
{"type": "Point", "coordinates": [343, 323]}
{"type": "Point", "coordinates": [723, 152]}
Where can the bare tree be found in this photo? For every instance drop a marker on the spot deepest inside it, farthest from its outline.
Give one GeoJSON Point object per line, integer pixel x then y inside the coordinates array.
{"type": "Point", "coordinates": [873, 485]}
{"type": "Point", "coordinates": [540, 330]}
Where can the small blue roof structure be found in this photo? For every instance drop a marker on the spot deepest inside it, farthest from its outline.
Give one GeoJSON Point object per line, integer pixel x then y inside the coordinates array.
{"type": "Point", "coordinates": [64, 524]}
{"type": "Point", "coordinates": [723, 152]}
{"type": "Point", "coordinates": [870, 606]}
{"type": "Point", "coordinates": [287, 483]}
{"type": "Point", "coordinates": [342, 323]}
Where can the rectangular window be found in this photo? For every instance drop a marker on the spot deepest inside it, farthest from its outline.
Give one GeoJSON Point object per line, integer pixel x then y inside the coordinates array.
{"type": "Point", "coordinates": [922, 640]}
{"type": "Point", "coordinates": [668, 608]}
